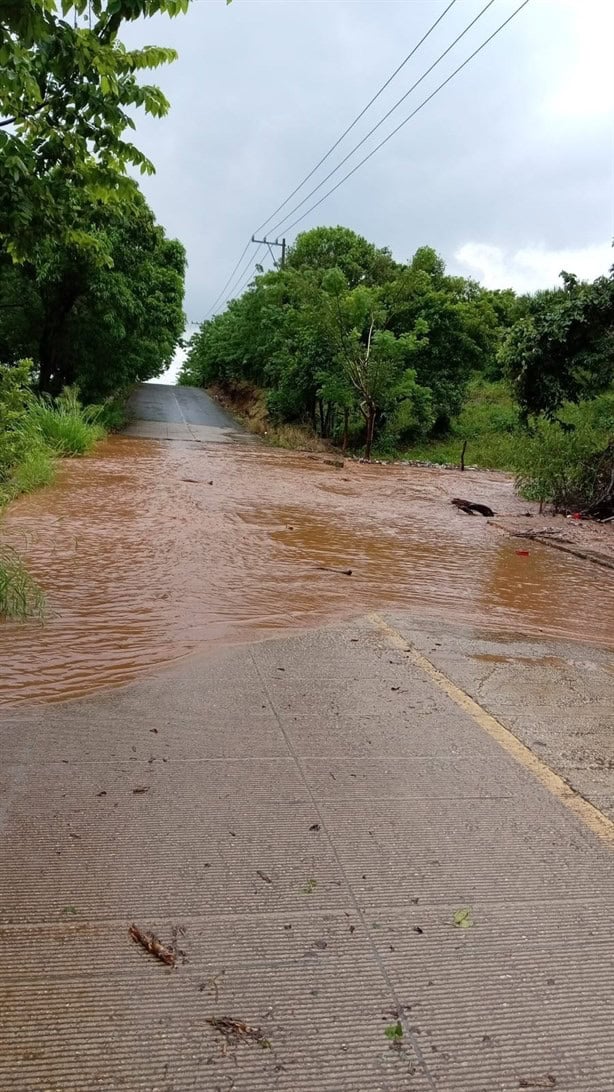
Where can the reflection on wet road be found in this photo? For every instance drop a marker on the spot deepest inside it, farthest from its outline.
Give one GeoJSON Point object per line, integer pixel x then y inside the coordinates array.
{"type": "Point", "coordinates": [148, 551]}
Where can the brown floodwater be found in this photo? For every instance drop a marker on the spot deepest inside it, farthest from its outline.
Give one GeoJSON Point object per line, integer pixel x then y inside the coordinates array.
{"type": "Point", "coordinates": [142, 567]}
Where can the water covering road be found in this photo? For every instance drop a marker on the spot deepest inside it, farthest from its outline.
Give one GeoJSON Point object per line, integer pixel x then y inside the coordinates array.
{"type": "Point", "coordinates": [149, 551]}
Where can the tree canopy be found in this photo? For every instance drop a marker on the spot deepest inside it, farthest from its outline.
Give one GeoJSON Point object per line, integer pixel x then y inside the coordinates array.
{"type": "Point", "coordinates": [563, 349]}
{"type": "Point", "coordinates": [68, 87]}
{"type": "Point", "coordinates": [101, 326]}
{"type": "Point", "coordinates": [353, 342]}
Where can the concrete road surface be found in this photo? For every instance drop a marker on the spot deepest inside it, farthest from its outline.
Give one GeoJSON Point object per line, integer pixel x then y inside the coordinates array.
{"type": "Point", "coordinates": [162, 412]}
{"type": "Point", "coordinates": [368, 877]}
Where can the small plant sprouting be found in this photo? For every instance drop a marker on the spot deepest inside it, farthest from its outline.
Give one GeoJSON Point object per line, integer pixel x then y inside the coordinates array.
{"type": "Point", "coordinates": [394, 1032]}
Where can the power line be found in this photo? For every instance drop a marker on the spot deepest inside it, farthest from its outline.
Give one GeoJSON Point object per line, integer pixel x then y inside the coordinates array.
{"type": "Point", "coordinates": [330, 151]}
{"type": "Point", "coordinates": [248, 279]}
{"type": "Point", "coordinates": [409, 117]}
{"type": "Point", "coordinates": [247, 268]}
{"type": "Point", "coordinates": [219, 297]}
{"type": "Point", "coordinates": [385, 117]}
{"type": "Point", "coordinates": [356, 120]}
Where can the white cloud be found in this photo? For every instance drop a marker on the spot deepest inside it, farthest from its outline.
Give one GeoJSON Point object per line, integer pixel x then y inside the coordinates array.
{"type": "Point", "coordinates": [581, 87]}
{"type": "Point", "coordinates": [530, 268]}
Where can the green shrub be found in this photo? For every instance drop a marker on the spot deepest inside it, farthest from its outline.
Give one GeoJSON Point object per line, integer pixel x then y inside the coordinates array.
{"type": "Point", "coordinates": [63, 424]}
{"type": "Point", "coordinates": [568, 463]}
{"type": "Point", "coordinates": [14, 390]}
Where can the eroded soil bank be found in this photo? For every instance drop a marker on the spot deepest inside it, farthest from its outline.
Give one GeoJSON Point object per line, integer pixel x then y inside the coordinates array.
{"type": "Point", "coordinates": [148, 551]}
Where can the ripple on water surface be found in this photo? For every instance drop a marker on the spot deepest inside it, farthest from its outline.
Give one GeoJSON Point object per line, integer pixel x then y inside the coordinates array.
{"type": "Point", "coordinates": [148, 551]}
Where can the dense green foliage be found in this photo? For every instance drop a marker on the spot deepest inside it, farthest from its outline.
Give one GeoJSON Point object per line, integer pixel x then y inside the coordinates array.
{"type": "Point", "coordinates": [365, 349]}
{"type": "Point", "coordinates": [101, 326]}
{"type": "Point", "coordinates": [68, 87]}
{"type": "Point", "coordinates": [35, 429]}
{"type": "Point", "coordinates": [408, 360]}
{"type": "Point", "coordinates": [563, 350]}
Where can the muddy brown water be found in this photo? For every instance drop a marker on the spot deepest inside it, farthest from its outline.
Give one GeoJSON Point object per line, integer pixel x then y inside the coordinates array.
{"type": "Point", "coordinates": [142, 567]}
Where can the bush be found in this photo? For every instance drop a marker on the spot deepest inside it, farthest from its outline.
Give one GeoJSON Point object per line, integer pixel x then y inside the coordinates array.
{"type": "Point", "coordinates": [14, 391]}
{"type": "Point", "coordinates": [568, 463]}
{"type": "Point", "coordinates": [64, 425]}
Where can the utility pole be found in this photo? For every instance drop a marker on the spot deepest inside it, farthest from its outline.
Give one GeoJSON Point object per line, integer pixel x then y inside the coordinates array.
{"type": "Point", "coordinates": [270, 243]}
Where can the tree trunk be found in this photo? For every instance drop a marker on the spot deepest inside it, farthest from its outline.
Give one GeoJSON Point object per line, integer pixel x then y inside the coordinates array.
{"type": "Point", "coordinates": [370, 431]}
{"type": "Point", "coordinates": [55, 369]}
{"type": "Point", "coordinates": [321, 409]}
{"type": "Point", "coordinates": [346, 422]}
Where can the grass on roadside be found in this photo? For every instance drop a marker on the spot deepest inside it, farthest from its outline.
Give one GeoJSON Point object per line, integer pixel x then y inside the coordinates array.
{"type": "Point", "coordinates": [488, 422]}
{"type": "Point", "coordinates": [20, 595]}
{"type": "Point", "coordinates": [63, 425]}
{"type": "Point", "coordinates": [34, 432]}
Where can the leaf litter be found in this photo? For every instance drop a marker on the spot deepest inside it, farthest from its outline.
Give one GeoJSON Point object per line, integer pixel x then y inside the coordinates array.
{"type": "Point", "coordinates": [236, 1031]}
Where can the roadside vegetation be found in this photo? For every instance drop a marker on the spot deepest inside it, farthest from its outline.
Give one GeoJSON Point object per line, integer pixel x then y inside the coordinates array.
{"type": "Point", "coordinates": [91, 289]}
{"type": "Point", "coordinates": [391, 360]}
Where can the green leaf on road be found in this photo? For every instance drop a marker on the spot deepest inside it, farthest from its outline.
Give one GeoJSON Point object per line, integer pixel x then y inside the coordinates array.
{"type": "Point", "coordinates": [462, 918]}
{"type": "Point", "coordinates": [394, 1031]}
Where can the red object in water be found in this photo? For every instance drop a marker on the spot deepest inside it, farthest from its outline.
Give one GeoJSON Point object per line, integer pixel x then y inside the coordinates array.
{"type": "Point", "coordinates": [522, 553]}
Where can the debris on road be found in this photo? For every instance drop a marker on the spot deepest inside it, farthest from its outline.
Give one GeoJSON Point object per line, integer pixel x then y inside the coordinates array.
{"type": "Point", "coordinates": [152, 944]}
{"type": "Point", "coordinates": [141, 789]}
{"type": "Point", "coordinates": [547, 1081]}
{"type": "Point", "coordinates": [462, 918]}
{"type": "Point", "coordinates": [315, 826]}
{"type": "Point", "coordinates": [471, 508]}
{"type": "Point", "coordinates": [340, 572]}
{"type": "Point", "coordinates": [263, 876]}
{"type": "Point", "coordinates": [236, 1031]}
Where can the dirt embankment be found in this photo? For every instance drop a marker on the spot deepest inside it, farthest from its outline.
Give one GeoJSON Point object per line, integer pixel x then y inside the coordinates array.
{"type": "Point", "coordinates": [248, 404]}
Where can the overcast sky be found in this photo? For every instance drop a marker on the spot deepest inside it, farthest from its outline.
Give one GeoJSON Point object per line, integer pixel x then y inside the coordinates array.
{"type": "Point", "coordinates": [508, 171]}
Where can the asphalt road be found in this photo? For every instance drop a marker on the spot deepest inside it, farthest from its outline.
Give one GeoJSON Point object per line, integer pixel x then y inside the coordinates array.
{"type": "Point", "coordinates": [161, 412]}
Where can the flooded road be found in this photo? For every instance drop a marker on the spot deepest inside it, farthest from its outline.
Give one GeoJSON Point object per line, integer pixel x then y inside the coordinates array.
{"type": "Point", "coordinates": [148, 551]}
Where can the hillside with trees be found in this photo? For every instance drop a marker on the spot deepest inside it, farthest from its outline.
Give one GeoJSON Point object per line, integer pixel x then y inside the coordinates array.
{"type": "Point", "coordinates": [382, 357]}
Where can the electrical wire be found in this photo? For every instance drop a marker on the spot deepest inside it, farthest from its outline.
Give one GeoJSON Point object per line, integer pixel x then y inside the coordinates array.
{"type": "Point", "coordinates": [409, 117]}
{"type": "Point", "coordinates": [234, 291]}
{"type": "Point", "coordinates": [219, 297]}
{"type": "Point", "coordinates": [385, 117]}
{"type": "Point", "coordinates": [356, 119]}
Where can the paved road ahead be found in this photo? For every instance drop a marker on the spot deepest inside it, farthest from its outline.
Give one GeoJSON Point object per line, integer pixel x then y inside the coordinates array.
{"type": "Point", "coordinates": [162, 412]}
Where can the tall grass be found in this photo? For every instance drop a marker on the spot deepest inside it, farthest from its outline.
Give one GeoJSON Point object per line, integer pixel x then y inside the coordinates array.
{"type": "Point", "coordinates": [64, 425]}
{"type": "Point", "coordinates": [20, 595]}
{"type": "Point", "coordinates": [34, 432]}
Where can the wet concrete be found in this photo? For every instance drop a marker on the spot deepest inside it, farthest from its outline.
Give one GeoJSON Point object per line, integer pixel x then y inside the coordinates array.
{"type": "Point", "coordinates": [310, 819]}
{"type": "Point", "coordinates": [306, 816]}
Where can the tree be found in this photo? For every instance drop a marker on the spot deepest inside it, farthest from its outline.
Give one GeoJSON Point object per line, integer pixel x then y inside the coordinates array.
{"type": "Point", "coordinates": [67, 89]}
{"type": "Point", "coordinates": [373, 361]}
{"type": "Point", "coordinates": [100, 326]}
{"type": "Point", "coordinates": [327, 248]}
{"type": "Point", "coordinates": [461, 325]}
{"type": "Point", "coordinates": [563, 350]}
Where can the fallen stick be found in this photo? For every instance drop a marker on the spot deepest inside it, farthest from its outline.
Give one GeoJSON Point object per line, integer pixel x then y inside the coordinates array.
{"type": "Point", "coordinates": [340, 572]}
{"type": "Point", "coordinates": [151, 944]}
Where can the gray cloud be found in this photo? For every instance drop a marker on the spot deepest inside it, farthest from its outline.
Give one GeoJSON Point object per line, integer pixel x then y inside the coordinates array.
{"type": "Point", "coordinates": [515, 154]}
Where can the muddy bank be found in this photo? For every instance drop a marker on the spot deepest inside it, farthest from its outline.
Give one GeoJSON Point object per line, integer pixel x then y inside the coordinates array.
{"type": "Point", "coordinates": [150, 551]}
